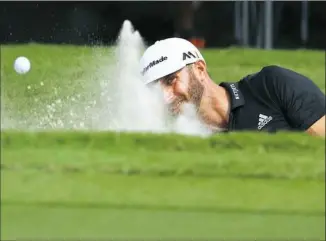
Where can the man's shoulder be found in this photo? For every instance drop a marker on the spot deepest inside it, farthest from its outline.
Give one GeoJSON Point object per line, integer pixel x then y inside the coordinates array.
{"type": "Point", "coordinates": [264, 72]}
{"type": "Point", "coordinates": [274, 69]}
{"type": "Point", "coordinates": [263, 85]}
{"type": "Point", "coordinates": [280, 82]}
{"type": "Point", "coordinates": [271, 76]}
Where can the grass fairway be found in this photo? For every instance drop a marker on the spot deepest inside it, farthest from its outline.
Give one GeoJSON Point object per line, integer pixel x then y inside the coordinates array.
{"type": "Point", "coordinates": [110, 185]}
{"type": "Point", "coordinates": [148, 186]}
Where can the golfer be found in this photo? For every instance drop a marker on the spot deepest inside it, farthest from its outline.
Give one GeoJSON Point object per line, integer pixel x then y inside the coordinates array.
{"type": "Point", "coordinates": [272, 99]}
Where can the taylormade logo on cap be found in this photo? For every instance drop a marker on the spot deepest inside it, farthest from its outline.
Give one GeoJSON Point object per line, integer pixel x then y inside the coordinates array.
{"type": "Point", "coordinates": [153, 63]}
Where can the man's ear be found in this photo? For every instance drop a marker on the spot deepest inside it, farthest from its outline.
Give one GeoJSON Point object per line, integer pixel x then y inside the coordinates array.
{"type": "Point", "coordinates": [201, 68]}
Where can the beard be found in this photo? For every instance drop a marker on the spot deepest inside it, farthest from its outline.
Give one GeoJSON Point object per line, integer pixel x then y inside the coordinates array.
{"type": "Point", "coordinates": [195, 94]}
{"type": "Point", "coordinates": [194, 97]}
{"type": "Point", "coordinates": [195, 90]}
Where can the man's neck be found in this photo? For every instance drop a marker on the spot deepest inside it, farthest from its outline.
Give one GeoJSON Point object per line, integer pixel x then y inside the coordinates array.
{"type": "Point", "coordinates": [215, 106]}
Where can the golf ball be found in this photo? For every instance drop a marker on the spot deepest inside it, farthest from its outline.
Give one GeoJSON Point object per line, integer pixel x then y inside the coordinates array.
{"type": "Point", "coordinates": [22, 65]}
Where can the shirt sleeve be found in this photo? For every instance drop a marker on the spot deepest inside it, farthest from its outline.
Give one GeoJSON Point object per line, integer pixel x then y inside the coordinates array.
{"type": "Point", "coordinates": [300, 99]}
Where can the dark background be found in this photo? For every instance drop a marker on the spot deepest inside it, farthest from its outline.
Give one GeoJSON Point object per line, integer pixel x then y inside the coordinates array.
{"type": "Point", "coordinates": [93, 22]}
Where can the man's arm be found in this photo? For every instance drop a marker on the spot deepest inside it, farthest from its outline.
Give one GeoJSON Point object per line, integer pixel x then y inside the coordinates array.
{"type": "Point", "coordinates": [302, 102]}
{"type": "Point", "coordinates": [318, 128]}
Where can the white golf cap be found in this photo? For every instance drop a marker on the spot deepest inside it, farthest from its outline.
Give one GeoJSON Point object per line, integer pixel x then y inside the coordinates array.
{"type": "Point", "coordinates": [167, 56]}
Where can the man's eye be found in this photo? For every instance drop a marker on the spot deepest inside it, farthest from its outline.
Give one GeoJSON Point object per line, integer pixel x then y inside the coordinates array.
{"type": "Point", "coordinates": [169, 80]}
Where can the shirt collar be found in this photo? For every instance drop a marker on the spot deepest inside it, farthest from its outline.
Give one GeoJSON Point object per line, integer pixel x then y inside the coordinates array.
{"type": "Point", "coordinates": [236, 95]}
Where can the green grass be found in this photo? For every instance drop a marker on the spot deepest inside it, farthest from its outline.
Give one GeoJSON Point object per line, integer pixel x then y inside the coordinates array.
{"type": "Point", "coordinates": [115, 185]}
{"type": "Point", "coordinates": [146, 186]}
{"type": "Point", "coordinates": [284, 156]}
{"type": "Point", "coordinates": [93, 223]}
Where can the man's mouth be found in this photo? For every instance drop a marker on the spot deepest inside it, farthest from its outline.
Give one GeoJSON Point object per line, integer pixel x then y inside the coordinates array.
{"type": "Point", "coordinates": [175, 107]}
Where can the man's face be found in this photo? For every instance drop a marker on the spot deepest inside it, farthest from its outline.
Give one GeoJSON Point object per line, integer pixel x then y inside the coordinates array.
{"type": "Point", "coordinates": [181, 87]}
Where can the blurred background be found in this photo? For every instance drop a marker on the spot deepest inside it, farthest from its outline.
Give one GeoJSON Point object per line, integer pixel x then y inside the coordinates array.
{"type": "Point", "coordinates": [258, 24]}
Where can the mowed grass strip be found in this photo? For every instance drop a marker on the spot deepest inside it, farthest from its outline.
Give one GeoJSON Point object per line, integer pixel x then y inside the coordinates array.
{"type": "Point", "coordinates": [285, 155]}
{"type": "Point", "coordinates": [165, 170]}
{"type": "Point", "coordinates": [39, 222]}
{"type": "Point", "coordinates": [57, 204]}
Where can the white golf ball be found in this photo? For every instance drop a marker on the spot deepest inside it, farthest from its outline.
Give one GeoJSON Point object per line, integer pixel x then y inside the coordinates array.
{"type": "Point", "coordinates": [22, 65]}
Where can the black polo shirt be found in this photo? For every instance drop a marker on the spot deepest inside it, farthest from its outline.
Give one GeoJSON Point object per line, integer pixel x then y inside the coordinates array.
{"type": "Point", "coordinates": [274, 99]}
